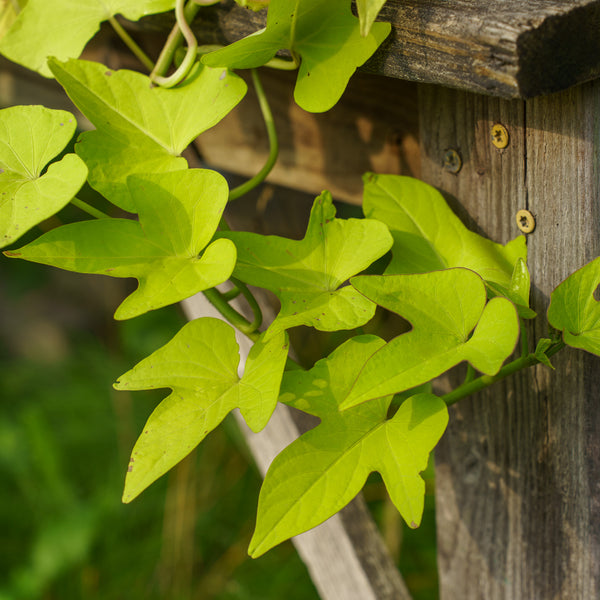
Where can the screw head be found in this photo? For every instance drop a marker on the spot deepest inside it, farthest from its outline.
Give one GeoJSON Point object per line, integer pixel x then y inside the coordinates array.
{"type": "Point", "coordinates": [452, 161]}
{"type": "Point", "coordinates": [499, 136]}
{"type": "Point", "coordinates": [525, 221]}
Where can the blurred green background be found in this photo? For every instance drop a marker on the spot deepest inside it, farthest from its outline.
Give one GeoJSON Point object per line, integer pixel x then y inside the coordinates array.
{"type": "Point", "coordinates": [65, 439]}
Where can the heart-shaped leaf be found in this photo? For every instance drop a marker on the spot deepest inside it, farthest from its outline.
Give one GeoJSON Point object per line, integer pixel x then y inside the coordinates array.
{"type": "Point", "coordinates": [62, 28]}
{"type": "Point", "coordinates": [428, 236]}
{"type": "Point", "coordinates": [318, 474]}
{"type": "Point", "coordinates": [367, 13]}
{"type": "Point", "coordinates": [451, 322]}
{"type": "Point", "coordinates": [200, 366]}
{"type": "Point", "coordinates": [141, 128]}
{"type": "Point", "coordinates": [30, 137]}
{"type": "Point", "coordinates": [574, 310]}
{"type": "Point", "coordinates": [306, 274]}
{"type": "Point", "coordinates": [323, 33]}
{"type": "Point", "coordinates": [179, 213]}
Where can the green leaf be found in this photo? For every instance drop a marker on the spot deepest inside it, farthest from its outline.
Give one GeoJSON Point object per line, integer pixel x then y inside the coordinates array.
{"type": "Point", "coordinates": [254, 5]}
{"type": "Point", "coordinates": [8, 15]}
{"type": "Point", "coordinates": [141, 128]}
{"type": "Point", "coordinates": [62, 28]}
{"type": "Point", "coordinates": [200, 366]}
{"type": "Point", "coordinates": [367, 13]}
{"type": "Point", "coordinates": [306, 274]}
{"type": "Point", "coordinates": [179, 213]}
{"type": "Point", "coordinates": [323, 33]}
{"type": "Point", "coordinates": [574, 310]}
{"type": "Point", "coordinates": [30, 137]}
{"type": "Point", "coordinates": [540, 352]}
{"type": "Point", "coordinates": [429, 236]}
{"type": "Point", "coordinates": [518, 292]}
{"type": "Point", "coordinates": [451, 322]}
{"type": "Point", "coordinates": [324, 469]}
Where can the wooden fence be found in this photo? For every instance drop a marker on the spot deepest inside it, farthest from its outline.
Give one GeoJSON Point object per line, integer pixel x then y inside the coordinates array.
{"type": "Point", "coordinates": [518, 471]}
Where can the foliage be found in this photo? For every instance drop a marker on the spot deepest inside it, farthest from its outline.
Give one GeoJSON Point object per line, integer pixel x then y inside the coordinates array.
{"type": "Point", "coordinates": [465, 297]}
{"type": "Point", "coordinates": [322, 35]}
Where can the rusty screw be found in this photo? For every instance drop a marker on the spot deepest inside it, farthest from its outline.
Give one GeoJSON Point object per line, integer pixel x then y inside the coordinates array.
{"type": "Point", "coordinates": [525, 221]}
{"type": "Point", "coordinates": [452, 161]}
{"type": "Point", "coordinates": [499, 136]}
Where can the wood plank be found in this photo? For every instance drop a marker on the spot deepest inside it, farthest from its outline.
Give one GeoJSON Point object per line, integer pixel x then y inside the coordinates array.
{"type": "Point", "coordinates": [373, 128]}
{"type": "Point", "coordinates": [515, 471]}
{"type": "Point", "coordinates": [510, 49]}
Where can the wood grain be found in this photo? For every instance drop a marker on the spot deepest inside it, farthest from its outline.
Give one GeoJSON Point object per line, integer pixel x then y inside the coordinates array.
{"type": "Point", "coordinates": [510, 49]}
{"type": "Point", "coordinates": [517, 469]}
{"type": "Point", "coordinates": [372, 128]}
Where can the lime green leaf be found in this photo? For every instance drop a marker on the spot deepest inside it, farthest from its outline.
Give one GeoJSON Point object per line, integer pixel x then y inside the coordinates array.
{"type": "Point", "coordinates": [324, 469]}
{"type": "Point", "coordinates": [8, 14]}
{"type": "Point", "coordinates": [451, 323]}
{"type": "Point", "coordinates": [540, 352]}
{"type": "Point", "coordinates": [179, 213]}
{"type": "Point", "coordinates": [323, 33]}
{"type": "Point", "coordinates": [62, 28]}
{"type": "Point", "coordinates": [429, 236]}
{"type": "Point", "coordinates": [200, 366]}
{"type": "Point", "coordinates": [306, 274]}
{"type": "Point", "coordinates": [574, 310]}
{"type": "Point", "coordinates": [30, 137]}
{"type": "Point", "coordinates": [367, 13]}
{"type": "Point", "coordinates": [254, 5]}
{"type": "Point", "coordinates": [518, 292]}
{"type": "Point", "coordinates": [141, 128]}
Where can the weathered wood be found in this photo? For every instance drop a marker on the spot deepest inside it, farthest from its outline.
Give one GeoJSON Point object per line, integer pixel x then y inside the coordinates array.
{"type": "Point", "coordinates": [373, 128]}
{"type": "Point", "coordinates": [513, 48]}
{"type": "Point", "coordinates": [517, 469]}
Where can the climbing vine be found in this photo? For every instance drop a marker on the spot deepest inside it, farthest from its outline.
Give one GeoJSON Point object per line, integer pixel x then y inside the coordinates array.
{"type": "Point", "coordinates": [466, 298]}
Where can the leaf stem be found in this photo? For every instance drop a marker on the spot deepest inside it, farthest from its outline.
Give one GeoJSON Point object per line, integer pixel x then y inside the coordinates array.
{"type": "Point", "coordinates": [233, 316]}
{"type": "Point", "coordinates": [89, 209]}
{"type": "Point", "coordinates": [181, 30]}
{"type": "Point", "coordinates": [466, 389]}
{"type": "Point", "coordinates": [131, 44]}
{"type": "Point", "coordinates": [265, 109]}
{"type": "Point", "coordinates": [249, 296]}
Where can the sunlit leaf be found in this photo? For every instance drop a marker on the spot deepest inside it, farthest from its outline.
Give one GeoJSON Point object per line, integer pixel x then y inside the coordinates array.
{"type": "Point", "coordinates": [429, 236]}
{"type": "Point", "coordinates": [141, 128]}
{"type": "Point", "coordinates": [367, 13]}
{"type": "Point", "coordinates": [306, 274]}
{"type": "Point", "coordinates": [518, 291]}
{"type": "Point", "coordinates": [323, 33]}
{"type": "Point", "coordinates": [200, 366]}
{"type": "Point", "coordinates": [8, 14]}
{"type": "Point", "coordinates": [255, 5]}
{"type": "Point", "coordinates": [575, 311]}
{"type": "Point", "coordinates": [166, 251]}
{"type": "Point", "coordinates": [324, 469]}
{"type": "Point", "coordinates": [30, 137]}
{"type": "Point", "coordinates": [62, 28]}
{"type": "Point", "coordinates": [451, 322]}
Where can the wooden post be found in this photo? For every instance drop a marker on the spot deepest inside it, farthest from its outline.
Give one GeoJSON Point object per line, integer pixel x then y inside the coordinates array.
{"type": "Point", "coordinates": [517, 470]}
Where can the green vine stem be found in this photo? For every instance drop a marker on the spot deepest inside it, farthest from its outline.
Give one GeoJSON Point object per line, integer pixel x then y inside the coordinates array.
{"type": "Point", "coordinates": [468, 388]}
{"type": "Point", "coordinates": [131, 44]}
{"type": "Point", "coordinates": [181, 30]}
{"type": "Point", "coordinates": [265, 109]}
{"type": "Point", "coordinates": [89, 209]}
{"type": "Point", "coordinates": [254, 306]}
{"type": "Point", "coordinates": [233, 316]}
